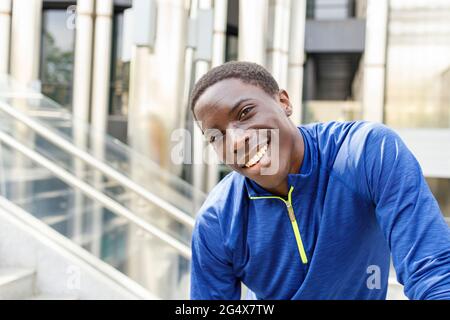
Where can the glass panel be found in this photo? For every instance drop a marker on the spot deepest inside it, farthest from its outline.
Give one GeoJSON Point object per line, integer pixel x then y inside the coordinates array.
{"type": "Point", "coordinates": [231, 41]}
{"type": "Point", "coordinates": [120, 71]}
{"type": "Point", "coordinates": [418, 64]}
{"type": "Point", "coordinates": [330, 9]}
{"type": "Point", "coordinates": [310, 9]}
{"type": "Point", "coordinates": [231, 53]}
{"type": "Point", "coordinates": [57, 58]}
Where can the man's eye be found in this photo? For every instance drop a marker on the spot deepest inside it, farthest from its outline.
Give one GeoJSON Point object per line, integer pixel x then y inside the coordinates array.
{"type": "Point", "coordinates": [244, 112]}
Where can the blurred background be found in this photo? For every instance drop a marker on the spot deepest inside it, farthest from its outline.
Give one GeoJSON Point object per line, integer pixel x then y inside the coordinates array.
{"type": "Point", "coordinates": [92, 92]}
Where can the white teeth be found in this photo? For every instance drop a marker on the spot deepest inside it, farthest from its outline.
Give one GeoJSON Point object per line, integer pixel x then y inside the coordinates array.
{"type": "Point", "coordinates": [255, 159]}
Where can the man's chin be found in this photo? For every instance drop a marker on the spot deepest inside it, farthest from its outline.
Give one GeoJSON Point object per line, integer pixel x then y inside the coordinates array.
{"type": "Point", "coordinates": [263, 174]}
{"type": "Point", "coordinates": [268, 182]}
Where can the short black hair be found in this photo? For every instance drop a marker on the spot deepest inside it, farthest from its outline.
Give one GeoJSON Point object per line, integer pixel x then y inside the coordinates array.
{"type": "Point", "coordinates": [247, 72]}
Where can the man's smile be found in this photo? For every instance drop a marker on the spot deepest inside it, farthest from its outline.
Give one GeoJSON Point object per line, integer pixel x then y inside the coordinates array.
{"type": "Point", "coordinates": [257, 157]}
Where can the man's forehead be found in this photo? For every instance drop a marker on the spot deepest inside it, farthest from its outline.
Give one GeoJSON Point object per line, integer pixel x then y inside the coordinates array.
{"type": "Point", "coordinates": [226, 93]}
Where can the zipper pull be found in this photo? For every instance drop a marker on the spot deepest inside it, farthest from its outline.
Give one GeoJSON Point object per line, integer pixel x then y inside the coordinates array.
{"type": "Point", "coordinates": [290, 211]}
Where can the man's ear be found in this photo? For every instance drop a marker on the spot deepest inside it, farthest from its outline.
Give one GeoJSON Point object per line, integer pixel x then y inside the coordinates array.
{"type": "Point", "coordinates": [285, 103]}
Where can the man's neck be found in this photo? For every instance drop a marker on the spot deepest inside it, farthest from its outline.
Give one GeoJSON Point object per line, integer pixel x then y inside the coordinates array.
{"type": "Point", "coordinates": [297, 155]}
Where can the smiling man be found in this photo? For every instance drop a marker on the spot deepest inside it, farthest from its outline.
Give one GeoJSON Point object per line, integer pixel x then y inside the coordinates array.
{"type": "Point", "coordinates": [343, 197]}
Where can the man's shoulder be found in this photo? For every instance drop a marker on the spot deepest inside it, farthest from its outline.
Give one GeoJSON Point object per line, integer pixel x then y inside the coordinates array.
{"type": "Point", "coordinates": [351, 148]}
{"type": "Point", "coordinates": [345, 139]}
{"type": "Point", "coordinates": [338, 131]}
{"type": "Point", "coordinates": [225, 198]}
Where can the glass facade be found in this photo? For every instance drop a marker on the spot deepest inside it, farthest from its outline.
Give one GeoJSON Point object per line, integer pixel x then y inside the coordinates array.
{"type": "Point", "coordinates": [418, 64]}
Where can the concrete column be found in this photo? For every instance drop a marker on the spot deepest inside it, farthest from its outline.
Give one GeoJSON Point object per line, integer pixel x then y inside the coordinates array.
{"type": "Point", "coordinates": [296, 58]}
{"type": "Point", "coordinates": [220, 32]}
{"type": "Point", "coordinates": [252, 31]}
{"type": "Point", "coordinates": [188, 71]}
{"type": "Point", "coordinates": [277, 51]}
{"type": "Point", "coordinates": [219, 41]}
{"type": "Point", "coordinates": [200, 170]}
{"type": "Point", "coordinates": [100, 100]}
{"type": "Point", "coordinates": [24, 67]}
{"type": "Point", "coordinates": [156, 85]}
{"type": "Point", "coordinates": [25, 40]}
{"type": "Point", "coordinates": [156, 102]}
{"type": "Point", "coordinates": [205, 176]}
{"type": "Point", "coordinates": [5, 30]}
{"type": "Point", "coordinates": [83, 61]}
{"type": "Point", "coordinates": [81, 97]}
{"type": "Point", "coordinates": [101, 66]}
{"type": "Point", "coordinates": [375, 60]}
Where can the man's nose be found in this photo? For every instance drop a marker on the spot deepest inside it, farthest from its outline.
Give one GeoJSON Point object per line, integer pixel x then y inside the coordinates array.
{"type": "Point", "coordinates": [240, 143]}
{"type": "Point", "coordinates": [238, 146]}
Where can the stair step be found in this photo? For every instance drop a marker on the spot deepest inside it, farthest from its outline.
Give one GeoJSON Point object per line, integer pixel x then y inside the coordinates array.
{"type": "Point", "coordinates": [16, 283]}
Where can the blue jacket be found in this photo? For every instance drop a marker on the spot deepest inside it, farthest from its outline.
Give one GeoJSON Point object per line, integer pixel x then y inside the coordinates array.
{"type": "Point", "coordinates": [360, 196]}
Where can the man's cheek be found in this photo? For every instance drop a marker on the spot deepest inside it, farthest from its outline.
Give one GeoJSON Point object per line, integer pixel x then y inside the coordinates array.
{"type": "Point", "coordinates": [227, 155]}
{"type": "Point", "coordinates": [278, 155]}
{"type": "Point", "coordinates": [221, 153]}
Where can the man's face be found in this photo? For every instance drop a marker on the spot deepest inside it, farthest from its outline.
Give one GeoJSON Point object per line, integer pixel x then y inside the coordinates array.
{"type": "Point", "coordinates": [249, 129]}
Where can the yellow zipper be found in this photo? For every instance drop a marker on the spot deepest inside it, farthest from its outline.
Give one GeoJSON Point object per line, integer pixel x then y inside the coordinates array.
{"type": "Point", "coordinates": [294, 224]}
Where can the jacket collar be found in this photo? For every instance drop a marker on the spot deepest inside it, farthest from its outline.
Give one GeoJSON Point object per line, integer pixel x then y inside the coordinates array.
{"type": "Point", "coordinates": [305, 172]}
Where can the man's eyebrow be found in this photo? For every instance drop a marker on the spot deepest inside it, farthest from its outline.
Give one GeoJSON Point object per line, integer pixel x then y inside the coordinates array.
{"type": "Point", "coordinates": [237, 104]}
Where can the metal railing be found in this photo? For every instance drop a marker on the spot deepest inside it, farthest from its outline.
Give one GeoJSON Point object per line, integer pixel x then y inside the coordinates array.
{"type": "Point", "coordinates": [105, 169]}
{"type": "Point", "coordinates": [106, 270]}
{"type": "Point", "coordinates": [92, 193]}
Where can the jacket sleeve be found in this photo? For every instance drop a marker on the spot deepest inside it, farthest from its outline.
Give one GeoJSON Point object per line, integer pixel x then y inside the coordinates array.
{"type": "Point", "coordinates": [409, 216]}
{"type": "Point", "coordinates": [212, 275]}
